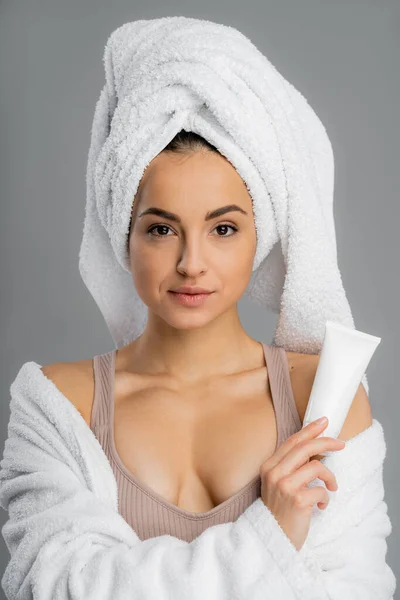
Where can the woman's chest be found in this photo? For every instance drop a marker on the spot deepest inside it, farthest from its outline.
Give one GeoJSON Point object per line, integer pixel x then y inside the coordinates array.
{"type": "Point", "coordinates": [195, 448]}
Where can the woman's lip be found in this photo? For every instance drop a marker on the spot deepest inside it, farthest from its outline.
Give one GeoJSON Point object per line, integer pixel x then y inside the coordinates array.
{"type": "Point", "coordinates": [189, 293]}
{"type": "Point", "coordinates": [191, 299]}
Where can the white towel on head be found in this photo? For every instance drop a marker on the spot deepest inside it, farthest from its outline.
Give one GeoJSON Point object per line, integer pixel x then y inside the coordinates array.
{"type": "Point", "coordinates": [173, 73]}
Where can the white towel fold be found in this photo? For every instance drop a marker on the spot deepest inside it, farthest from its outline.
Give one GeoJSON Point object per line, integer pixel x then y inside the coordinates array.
{"type": "Point", "coordinates": [67, 540]}
{"type": "Point", "coordinates": [172, 73]}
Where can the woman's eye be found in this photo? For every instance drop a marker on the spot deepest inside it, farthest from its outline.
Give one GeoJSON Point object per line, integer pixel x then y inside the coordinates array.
{"type": "Point", "coordinates": [224, 225]}
{"type": "Point", "coordinates": [154, 227]}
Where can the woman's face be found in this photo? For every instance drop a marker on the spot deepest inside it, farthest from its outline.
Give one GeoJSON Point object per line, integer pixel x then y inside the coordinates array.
{"type": "Point", "coordinates": [185, 246]}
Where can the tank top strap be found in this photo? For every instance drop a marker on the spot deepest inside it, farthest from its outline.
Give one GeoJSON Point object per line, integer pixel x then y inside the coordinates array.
{"type": "Point", "coordinates": [103, 370]}
{"type": "Point", "coordinates": [287, 416]}
{"type": "Point", "coordinates": [286, 413]}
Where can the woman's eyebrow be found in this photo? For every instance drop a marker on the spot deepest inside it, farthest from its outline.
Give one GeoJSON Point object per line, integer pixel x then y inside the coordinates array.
{"type": "Point", "coordinates": [153, 210]}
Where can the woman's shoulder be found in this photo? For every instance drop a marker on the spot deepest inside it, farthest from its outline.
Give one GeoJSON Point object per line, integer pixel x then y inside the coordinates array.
{"type": "Point", "coordinates": [302, 368]}
{"type": "Point", "coordinates": [302, 376]}
{"type": "Point", "coordinates": [75, 381]}
{"type": "Point", "coordinates": [302, 371]}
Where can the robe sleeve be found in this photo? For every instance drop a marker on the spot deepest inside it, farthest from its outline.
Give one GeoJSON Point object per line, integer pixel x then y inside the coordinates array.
{"type": "Point", "coordinates": [346, 545]}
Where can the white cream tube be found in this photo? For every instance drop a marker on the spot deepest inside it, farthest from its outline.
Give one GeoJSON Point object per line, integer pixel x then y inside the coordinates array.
{"type": "Point", "coordinates": [344, 357]}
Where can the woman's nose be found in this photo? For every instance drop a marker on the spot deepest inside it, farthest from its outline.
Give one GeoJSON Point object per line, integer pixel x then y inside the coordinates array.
{"type": "Point", "coordinates": [192, 258]}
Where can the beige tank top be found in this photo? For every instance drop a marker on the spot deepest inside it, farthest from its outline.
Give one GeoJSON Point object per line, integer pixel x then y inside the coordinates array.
{"type": "Point", "coordinates": [148, 513]}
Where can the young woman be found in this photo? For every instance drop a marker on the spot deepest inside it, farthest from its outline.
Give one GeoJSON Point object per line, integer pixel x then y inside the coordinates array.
{"type": "Point", "coordinates": [190, 411]}
{"type": "Point", "coordinates": [176, 464]}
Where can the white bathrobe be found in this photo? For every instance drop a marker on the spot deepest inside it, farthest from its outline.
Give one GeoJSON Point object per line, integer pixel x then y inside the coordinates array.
{"type": "Point", "coordinates": [67, 540]}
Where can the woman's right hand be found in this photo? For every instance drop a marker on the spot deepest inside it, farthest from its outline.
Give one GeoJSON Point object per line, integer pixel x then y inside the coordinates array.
{"type": "Point", "coordinates": [285, 475]}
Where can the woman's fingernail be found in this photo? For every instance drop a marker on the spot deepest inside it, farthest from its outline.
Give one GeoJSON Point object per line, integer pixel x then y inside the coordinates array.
{"type": "Point", "coordinates": [321, 420]}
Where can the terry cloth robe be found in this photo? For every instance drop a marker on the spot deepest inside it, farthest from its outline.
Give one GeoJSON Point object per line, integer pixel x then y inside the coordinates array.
{"type": "Point", "coordinates": [67, 539]}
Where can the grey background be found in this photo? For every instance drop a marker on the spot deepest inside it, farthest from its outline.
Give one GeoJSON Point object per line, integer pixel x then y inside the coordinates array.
{"type": "Point", "coordinates": [343, 56]}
